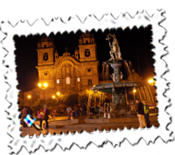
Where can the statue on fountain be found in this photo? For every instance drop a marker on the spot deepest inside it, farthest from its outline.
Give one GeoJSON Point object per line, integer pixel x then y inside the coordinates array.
{"type": "Point", "coordinates": [113, 76]}
{"type": "Point", "coordinates": [115, 49]}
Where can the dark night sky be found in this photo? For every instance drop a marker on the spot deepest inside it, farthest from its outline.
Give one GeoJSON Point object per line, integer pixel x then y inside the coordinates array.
{"type": "Point", "coordinates": [135, 42]}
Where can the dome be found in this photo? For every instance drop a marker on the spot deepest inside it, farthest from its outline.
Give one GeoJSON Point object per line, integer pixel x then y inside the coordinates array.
{"type": "Point", "coordinates": [45, 42]}
{"type": "Point", "coordinates": [86, 35]}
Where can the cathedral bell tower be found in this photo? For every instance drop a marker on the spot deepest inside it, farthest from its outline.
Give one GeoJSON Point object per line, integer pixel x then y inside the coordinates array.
{"type": "Point", "coordinates": [45, 49]}
{"type": "Point", "coordinates": [87, 47]}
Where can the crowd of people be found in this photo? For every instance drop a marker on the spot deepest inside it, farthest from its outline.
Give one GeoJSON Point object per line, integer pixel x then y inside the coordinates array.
{"type": "Point", "coordinates": [142, 110]}
{"type": "Point", "coordinates": [42, 114]}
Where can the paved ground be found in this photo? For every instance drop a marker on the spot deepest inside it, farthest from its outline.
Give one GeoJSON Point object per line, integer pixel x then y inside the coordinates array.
{"type": "Point", "coordinates": [89, 124]}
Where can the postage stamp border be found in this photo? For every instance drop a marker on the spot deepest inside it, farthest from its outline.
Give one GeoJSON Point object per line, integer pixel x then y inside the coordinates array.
{"type": "Point", "coordinates": [65, 141]}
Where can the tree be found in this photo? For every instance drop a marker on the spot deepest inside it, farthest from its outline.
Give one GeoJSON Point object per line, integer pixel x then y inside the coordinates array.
{"type": "Point", "coordinates": [38, 105]}
{"type": "Point", "coordinates": [71, 99]}
{"type": "Point", "coordinates": [51, 102]}
{"type": "Point", "coordinates": [83, 98]}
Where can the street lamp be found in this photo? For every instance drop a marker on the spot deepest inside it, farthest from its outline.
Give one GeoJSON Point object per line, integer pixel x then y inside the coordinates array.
{"type": "Point", "coordinates": [43, 86]}
{"type": "Point", "coordinates": [134, 91]}
{"type": "Point", "coordinates": [58, 93]}
{"type": "Point", "coordinates": [29, 97]}
{"type": "Point", "coordinates": [151, 82]}
{"type": "Point", "coordinates": [53, 96]}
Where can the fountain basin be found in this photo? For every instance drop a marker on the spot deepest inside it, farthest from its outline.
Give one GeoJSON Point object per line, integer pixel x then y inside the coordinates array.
{"type": "Point", "coordinates": [107, 87]}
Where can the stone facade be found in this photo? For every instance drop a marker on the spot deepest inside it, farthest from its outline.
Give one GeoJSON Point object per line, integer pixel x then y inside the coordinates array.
{"type": "Point", "coordinates": [67, 73]}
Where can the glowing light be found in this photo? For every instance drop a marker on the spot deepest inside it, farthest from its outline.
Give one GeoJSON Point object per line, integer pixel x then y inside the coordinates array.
{"type": "Point", "coordinates": [45, 84]}
{"type": "Point", "coordinates": [58, 93]}
{"type": "Point", "coordinates": [151, 81]}
{"type": "Point", "coordinates": [89, 91]}
{"type": "Point", "coordinates": [39, 84]}
{"type": "Point", "coordinates": [78, 79]}
{"type": "Point", "coordinates": [134, 90]}
{"type": "Point", "coordinates": [29, 96]}
{"type": "Point", "coordinates": [53, 96]}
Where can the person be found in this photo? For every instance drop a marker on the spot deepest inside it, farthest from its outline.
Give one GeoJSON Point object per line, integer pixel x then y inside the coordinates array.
{"type": "Point", "coordinates": [76, 112]}
{"type": "Point", "coordinates": [24, 114]}
{"type": "Point", "coordinates": [69, 110]}
{"type": "Point", "coordinates": [92, 109]}
{"type": "Point", "coordinates": [39, 117]}
{"type": "Point", "coordinates": [54, 113]}
{"type": "Point", "coordinates": [73, 112]}
{"type": "Point", "coordinates": [140, 113]}
{"type": "Point", "coordinates": [101, 109]}
{"type": "Point", "coordinates": [146, 113]}
{"type": "Point", "coordinates": [30, 111]}
{"type": "Point", "coordinates": [46, 116]}
{"type": "Point", "coordinates": [96, 109]}
{"type": "Point", "coordinates": [84, 109]}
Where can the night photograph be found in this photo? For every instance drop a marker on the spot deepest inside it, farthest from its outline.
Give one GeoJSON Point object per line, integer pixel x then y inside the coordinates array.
{"type": "Point", "coordinates": [86, 80]}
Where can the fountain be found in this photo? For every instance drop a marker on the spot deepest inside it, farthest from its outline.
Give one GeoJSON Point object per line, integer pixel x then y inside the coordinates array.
{"type": "Point", "coordinates": [120, 88]}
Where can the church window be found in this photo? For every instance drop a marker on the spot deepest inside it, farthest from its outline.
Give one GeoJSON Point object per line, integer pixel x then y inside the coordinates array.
{"type": "Point", "coordinates": [86, 42]}
{"type": "Point", "coordinates": [45, 56]}
{"type": "Point", "coordinates": [89, 70]}
{"type": "Point", "coordinates": [78, 79]}
{"type": "Point", "coordinates": [45, 46]}
{"type": "Point", "coordinates": [89, 82]}
{"type": "Point", "coordinates": [68, 80]}
{"type": "Point", "coordinates": [87, 52]}
{"type": "Point", "coordinates": [58, 80]}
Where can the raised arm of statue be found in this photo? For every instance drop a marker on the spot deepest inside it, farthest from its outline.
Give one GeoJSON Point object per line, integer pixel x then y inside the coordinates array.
{"type": "Point", "coordinates": [108, 38]}
{"type": "Point", "coordinates": [113, 36]}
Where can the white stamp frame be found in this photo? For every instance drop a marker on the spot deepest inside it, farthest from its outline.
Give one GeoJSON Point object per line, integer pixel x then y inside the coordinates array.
{"type": "Point", "coordinates": [83, 139]}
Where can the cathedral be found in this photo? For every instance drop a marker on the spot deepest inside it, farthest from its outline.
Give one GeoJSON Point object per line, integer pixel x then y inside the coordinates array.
{"type": "Point", "coordinates": [66, 73]}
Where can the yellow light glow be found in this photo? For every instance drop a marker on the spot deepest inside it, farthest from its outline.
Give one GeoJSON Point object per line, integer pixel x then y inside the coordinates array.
{"type": "Point", "coordinates": [45, 84]}
{"type": "Point", "coordinates": [53, 96]}
{"type": "Point", "coordinates": [89, 91]}
{"type": "Point", "coordinates": [150, 81]}
{"type": "Point", "coordinates": [39, 84]}
{"type": "Point", "coordinates": [58, 93]}
{"type": "Point", "coordinates": [134, 90]}
{"type": "Point", "coordinates": [29, 96]}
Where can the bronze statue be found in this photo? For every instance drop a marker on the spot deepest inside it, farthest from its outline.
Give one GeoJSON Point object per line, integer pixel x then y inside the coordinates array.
{"type": "Point", "coordinates": [113, 77]}
{"type": "Point", "coordinates": [115, 49]}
